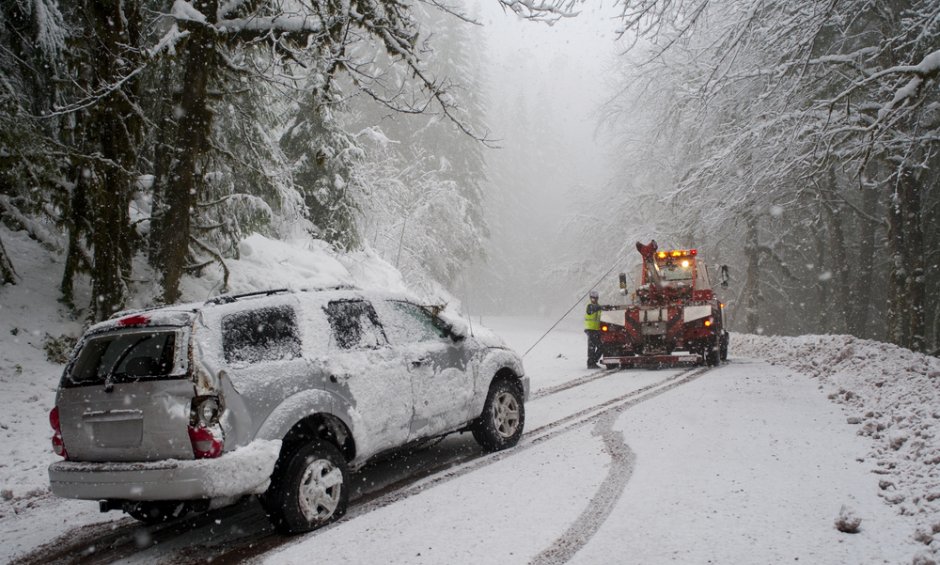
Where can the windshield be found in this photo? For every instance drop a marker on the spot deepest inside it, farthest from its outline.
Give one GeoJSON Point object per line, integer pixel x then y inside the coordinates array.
{"type": "Point", "coordinates": [124, 356]}
{"type": "Point", "coordinates": [676, 269]}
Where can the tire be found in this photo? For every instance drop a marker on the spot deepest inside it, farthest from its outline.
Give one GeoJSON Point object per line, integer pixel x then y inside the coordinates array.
{"type": "Point", "coordinates": [309, 489]}
{"type": "Point", "coordinates": [157, 512]}
{"type": "Point", "coordinates": [500, 425]}
{"type": "Point", "coordinates": [713, 355]}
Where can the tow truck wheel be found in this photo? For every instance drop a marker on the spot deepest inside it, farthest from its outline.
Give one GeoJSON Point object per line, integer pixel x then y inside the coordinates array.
{"type": "Point", "coordinates": [712, 355]}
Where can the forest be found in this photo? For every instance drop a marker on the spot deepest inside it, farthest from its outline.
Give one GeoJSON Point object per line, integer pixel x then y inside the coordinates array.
{"type": "Point", "coordinates": [796, 141]}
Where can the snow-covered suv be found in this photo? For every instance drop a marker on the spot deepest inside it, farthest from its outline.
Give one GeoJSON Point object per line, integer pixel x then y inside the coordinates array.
{"type": "Point", "coordinates": [278, 393]}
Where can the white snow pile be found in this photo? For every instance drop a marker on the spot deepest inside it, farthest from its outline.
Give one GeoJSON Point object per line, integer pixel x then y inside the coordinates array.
{"type": "Point", "coordinates": [893, 395]}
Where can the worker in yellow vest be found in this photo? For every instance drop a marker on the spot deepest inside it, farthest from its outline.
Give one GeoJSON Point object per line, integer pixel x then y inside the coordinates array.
{"type": "Point", "coordinates": [592, 327]}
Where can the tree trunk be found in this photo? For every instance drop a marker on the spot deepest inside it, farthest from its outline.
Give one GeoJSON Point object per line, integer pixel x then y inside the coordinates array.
{"type": "Point", "coordinates": [839, 285]}
{"type": "Point", "coordinates": [915, 284]}
{"type": "Point", "coordinates": [751, 296]}
{"type": "Point", "coordinates": [191, 143]}
{"type": "Point", "coordinates": [77, 229]}
{"type": "Point", "coordinates": [823, 322]}
{"type": "Point", "coordinates": [117, 133]}
{"type": "Point", "coordinates": [7, 274]}
{"type": "Point", "coordinates": [864, 267]}
{"type": "Point", "coordinates": [907, 283]}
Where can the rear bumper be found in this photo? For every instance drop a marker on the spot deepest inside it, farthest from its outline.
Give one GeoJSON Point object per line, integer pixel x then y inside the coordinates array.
{"type": "Point", "coordinates": [244, 471]}
{"type": "Point", "coordinates": [652, 361]}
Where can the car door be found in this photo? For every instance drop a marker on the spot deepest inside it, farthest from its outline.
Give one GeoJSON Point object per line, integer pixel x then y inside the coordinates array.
{"type": "Point", "coordinates": [441, 374]}
{"type": "Point", "coordinates": [369, 375]}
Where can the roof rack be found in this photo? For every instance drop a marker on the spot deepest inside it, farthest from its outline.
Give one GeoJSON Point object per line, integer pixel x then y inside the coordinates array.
{"type": "Point", "coordinates": [230, 298]}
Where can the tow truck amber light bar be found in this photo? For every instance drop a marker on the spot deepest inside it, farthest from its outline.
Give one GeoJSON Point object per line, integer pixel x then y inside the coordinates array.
{"type": "Point", "coordinates": [677, 253]}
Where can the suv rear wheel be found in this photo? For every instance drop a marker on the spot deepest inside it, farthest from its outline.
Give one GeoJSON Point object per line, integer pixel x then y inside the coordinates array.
{"type": "Point", "coordinates": [310, 490]}
{"type": "Point", "coordinates": [500, 425]}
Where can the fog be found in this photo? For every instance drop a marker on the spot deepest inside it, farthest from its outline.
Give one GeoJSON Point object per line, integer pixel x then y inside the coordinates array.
{"type": "Point", "coordinates": [544, 88]}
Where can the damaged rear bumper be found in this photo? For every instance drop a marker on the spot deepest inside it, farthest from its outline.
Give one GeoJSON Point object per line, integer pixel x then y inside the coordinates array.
{"type": "Point", "coordinates": [243, 471]}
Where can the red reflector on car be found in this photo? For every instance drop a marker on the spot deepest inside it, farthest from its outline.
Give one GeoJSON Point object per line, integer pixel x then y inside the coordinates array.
{"type": "Point", "coordinates": [58, 445]}
{"type": "Point", "coordinates": [54, 419]}
{"type": "Point", "coordinates": [136, 320]}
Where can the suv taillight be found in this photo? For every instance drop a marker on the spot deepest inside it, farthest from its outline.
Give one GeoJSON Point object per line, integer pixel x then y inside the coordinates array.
{"type": "Point", "coordinates": [205, 433]}
{"type": "Point", "coordinates": [58, 446]}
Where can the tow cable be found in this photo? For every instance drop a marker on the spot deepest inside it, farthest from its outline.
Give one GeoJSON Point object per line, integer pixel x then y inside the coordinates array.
{"type": "Point", "coordinates": [580, 300]}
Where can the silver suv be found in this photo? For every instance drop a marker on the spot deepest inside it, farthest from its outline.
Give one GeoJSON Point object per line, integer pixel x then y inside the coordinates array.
{"type": "Point", "coordinates": [277, 393]}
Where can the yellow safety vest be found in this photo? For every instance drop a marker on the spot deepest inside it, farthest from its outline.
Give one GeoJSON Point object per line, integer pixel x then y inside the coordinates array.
{"type": "Point", "coordinates": [592, 321]}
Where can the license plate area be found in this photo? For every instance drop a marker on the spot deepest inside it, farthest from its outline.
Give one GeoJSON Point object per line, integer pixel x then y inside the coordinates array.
{"type": "Point", "coordinates": [116, 428]}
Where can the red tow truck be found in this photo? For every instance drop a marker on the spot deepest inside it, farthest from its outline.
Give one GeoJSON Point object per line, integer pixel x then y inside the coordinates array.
{"type": "Point", "coordinates": [674, 318]}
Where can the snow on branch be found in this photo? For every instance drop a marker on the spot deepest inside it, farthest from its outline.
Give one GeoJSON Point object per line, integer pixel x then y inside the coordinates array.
{"type": "Point", "coordinates": [926, 70]}
{"type": "Point", "coordinates": [548, 11]}
{"type": "Point", "coordinates": [256, 25]}
{"type": "Point", "coordinates": [35, 229]}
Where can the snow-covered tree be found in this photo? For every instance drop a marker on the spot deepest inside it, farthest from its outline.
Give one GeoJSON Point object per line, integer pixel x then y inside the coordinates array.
{"type": "Point", "coordinates": [823, 113]}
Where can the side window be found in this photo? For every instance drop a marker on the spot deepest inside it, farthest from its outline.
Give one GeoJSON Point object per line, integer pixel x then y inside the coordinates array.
{"type": "Point", "coordinates": [265, 334]}
{"type": "Point", "coordinates": [409, 323]}
{"type": "Point", "coordinates": [355, 325]}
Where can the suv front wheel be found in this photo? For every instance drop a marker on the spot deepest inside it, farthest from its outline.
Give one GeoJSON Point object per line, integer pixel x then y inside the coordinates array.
{"type": "Point", "coordinates": [500, 425]}
{"type": "Point", "coordinates": [310, 491]}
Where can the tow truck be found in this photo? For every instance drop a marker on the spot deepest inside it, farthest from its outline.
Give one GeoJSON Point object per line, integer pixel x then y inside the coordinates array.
{"type": "Point", "coordinates": [675, 317]}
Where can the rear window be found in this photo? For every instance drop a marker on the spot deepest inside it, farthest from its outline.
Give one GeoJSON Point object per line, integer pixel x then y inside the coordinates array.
{"type": "Point", "coordinates": [123, 357]}
{"type": "Point", "coordinates": [264, 334]}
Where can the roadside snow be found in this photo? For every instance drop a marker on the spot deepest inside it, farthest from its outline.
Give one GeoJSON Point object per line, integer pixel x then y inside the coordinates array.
{"type": "Point", "coordinates": [892, 396]}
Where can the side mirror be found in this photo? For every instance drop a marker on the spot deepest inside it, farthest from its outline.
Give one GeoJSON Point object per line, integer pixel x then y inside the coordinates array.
{"type": "Point", "coordinates": [724, 276]}
{"type": "Point", "coordinates": [623, 283]}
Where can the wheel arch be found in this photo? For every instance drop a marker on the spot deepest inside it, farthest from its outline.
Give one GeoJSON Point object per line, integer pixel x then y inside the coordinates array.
{"type": "Point", "coordinates": [500, 364]}
{"type": "Point", "coordinates": [320, 425]}
{"type": "Point", "coordinates": [305, 416]}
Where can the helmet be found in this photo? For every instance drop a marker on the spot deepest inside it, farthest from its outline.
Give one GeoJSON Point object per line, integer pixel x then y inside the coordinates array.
{"type": "Point", "coordinates": [593, 294]}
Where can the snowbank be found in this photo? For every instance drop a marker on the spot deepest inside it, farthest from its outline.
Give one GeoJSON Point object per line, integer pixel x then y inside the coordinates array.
{"type": "Point", "coordinates": [893, 396]}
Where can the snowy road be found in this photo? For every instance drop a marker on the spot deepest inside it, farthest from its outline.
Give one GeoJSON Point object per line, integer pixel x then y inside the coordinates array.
{"type": "Point", "coordinates": [745, 463]}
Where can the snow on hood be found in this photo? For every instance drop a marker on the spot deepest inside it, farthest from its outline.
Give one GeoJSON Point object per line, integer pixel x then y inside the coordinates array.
{"type": "Point", "coordinates": [892, 394]}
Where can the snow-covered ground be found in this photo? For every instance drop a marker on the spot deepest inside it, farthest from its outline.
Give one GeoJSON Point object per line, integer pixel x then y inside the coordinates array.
{"type": "Point", "coordinates": [752, 462]}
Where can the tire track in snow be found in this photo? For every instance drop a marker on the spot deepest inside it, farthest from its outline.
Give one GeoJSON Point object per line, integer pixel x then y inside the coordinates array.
{"type": "Point", "coordinates": [455, 468]}
{"type": "Point", "coordinates": [548, 391]}
{"type": "Point", "coordinates": [622, 462]}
